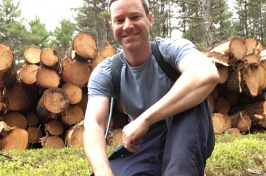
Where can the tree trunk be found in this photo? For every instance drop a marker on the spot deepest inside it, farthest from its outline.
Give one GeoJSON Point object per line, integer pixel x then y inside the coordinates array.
{"type": "Point", "coordinates": [32, 55]}
{"type": "Point", "coordinates": [74, 93]}
{"type": "Point", "coordinates": [16, 139]}
{"type": "Point", "coordinates": [74, 136]}
{"type": "Point", "coordinates": [52, 142]}
{"type": "Point", "coordinates": [72, 115]}
{"type": "Point", "coordinates": [85, 46]}
{"type": "Point", "coordinates": [52, 102]}
{"type": "Point", "coordinates": [28, 74]}
{"type": "Point", "coordinates": [107, 51]}
{"type": "Point", "coordinates": [49, 59]}
{"type": "Point", "coordinates": [35, 134]}
{"type": "Point", "coordinates": [15, 119]}
{"type": "Point", "coordinates": [54, 128]}
{"type": "Point", "coordinates": [76, 72]}
{"type": "Point", "coordinates": [47, 78]}
{"type": "Point", "coordinates": [18, 97]}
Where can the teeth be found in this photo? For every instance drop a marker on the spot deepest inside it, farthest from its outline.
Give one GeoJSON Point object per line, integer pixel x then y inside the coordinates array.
{"type": "Point", "coordinates": [129, 36]}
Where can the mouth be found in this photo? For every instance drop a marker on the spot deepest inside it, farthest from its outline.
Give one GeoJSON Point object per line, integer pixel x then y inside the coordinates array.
{"type": "Point", "coordinates": [130, 36]}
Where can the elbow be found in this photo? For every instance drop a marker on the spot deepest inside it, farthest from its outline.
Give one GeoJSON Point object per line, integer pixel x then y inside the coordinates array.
{"type": "Point", "coordinates": [214, 77]}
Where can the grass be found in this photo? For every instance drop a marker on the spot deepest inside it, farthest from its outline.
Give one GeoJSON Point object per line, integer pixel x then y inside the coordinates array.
{"type": "Point", "coordinates": [233, 155]}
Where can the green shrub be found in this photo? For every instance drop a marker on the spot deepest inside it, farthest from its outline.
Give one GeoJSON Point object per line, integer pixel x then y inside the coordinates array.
{"type": "Point", "coordinates": [233, 155]}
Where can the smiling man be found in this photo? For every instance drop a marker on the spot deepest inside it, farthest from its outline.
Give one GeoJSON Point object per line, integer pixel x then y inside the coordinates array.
{"type": "Point", "coordinates": [171, 130]}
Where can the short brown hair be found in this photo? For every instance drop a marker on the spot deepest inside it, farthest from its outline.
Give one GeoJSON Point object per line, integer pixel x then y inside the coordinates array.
{"type": "Point", "coordinates": [145, 4]}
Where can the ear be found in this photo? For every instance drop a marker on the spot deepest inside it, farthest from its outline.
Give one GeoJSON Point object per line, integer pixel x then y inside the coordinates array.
{"type": "Point", "coordinates": [150, 17]}
{"type": "Point", "coordinates": [111, 25]}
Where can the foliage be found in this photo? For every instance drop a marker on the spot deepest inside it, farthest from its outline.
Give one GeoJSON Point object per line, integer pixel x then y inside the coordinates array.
{"type": "Point", "coordinates": [62, 37]}
{"type": "Point", "coordinates": [233, 155]}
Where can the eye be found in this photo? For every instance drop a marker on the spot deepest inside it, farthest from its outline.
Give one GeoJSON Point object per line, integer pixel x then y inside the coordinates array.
{"type": "Point", "coordinates": [119, 21]}
{"type": "Point", "coordinates": [135, 17]}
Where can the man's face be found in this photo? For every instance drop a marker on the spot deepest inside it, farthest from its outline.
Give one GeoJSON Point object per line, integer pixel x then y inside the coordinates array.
{"type": "Point", "coordinates": [130, 24]}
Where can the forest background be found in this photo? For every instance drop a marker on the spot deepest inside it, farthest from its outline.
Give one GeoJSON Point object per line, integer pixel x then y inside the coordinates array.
{"type": "Point", "coordinates": [204, 22]}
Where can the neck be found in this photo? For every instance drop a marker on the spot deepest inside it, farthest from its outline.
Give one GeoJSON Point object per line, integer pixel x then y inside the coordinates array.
{"type": "Point", "coordinates": [138, 57]}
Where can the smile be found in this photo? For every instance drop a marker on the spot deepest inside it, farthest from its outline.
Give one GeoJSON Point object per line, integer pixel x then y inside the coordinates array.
{"type": "Point", "coordinates": [130, 36]}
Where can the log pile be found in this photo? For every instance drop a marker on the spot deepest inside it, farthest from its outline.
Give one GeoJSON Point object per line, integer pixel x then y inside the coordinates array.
{"type": "Point", "coordinates": [43, 104]}
{"type": "Point", "coordinates": [238, 102]}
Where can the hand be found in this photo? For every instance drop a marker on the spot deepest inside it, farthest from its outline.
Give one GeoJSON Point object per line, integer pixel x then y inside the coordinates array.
{"type": "Point", "coordinates": [132, 134]}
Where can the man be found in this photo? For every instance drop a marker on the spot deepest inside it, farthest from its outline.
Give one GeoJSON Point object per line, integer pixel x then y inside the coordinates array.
{"type": "Point", "coordinates": [150, 97]}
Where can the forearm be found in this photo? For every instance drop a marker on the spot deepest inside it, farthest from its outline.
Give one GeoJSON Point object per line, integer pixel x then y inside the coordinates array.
{"type": "Point", "coordinates": [188, 91]}
{"type": "Point", "coordinates": [95, 150]}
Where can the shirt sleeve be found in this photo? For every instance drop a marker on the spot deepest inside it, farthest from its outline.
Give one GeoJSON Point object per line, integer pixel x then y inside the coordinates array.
{"type": "Point", "coordinates": [174, 50]}
{"type": "Point", "coordinates": [100, 82]}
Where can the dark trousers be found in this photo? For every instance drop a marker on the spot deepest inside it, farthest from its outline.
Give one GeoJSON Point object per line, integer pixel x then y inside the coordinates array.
{"type": "Point", "coordinates": [180, 150]}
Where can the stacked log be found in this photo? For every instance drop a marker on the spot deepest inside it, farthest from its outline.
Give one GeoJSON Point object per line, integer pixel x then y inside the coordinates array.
{"type": "Point", "coordinates": [45, 102]}
{"type": "Point", "coordinates": [238, 102]}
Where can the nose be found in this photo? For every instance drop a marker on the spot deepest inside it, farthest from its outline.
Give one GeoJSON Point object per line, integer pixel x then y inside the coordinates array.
{"type": "Point", "coordinates": [128, 24]}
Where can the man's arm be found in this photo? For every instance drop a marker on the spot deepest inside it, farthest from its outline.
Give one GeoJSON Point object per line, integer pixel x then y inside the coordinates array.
{"type": "Point", "coordinates": [199, 77]}
{"type": "Point", "coordinates": [94, 141]}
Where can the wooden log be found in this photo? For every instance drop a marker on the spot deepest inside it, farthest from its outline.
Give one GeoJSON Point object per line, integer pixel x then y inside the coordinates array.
{"type": "Point", "coordinates": [15, 119]}
{"type": "Point", "coordinates": [35, 134]}
{"type": "Point", "coordinates": [83, 102]}
{"type": "Point", "coordinates": [16, 139]}
{"type": "Point", "coordinates": [52, 102]}
{"type": "Point", "coordinates": [222, 105]}
{"type": "Point", "coordinates": [228, 121]}
{"type": "Point", "coordinates": [255, 78]}
{"type": "Point", "coordinates": [49, 59]}
{"type": "Point", "coordinates": [28, 74]}
{"type": "Point", "coordinates": [223, 73]}
{"type": "Point", "coordinates": [76, 72]}
{"type": "Point", "coordinates": [234, 85]}
{"type": "Point", "coordinates": [47, 78]}
{"type": "Point", "coordinates": [32, 119]}
{"type": "Point", "coordinates": [107, 51]}
{"type": "Point", "coordinates": [6, 60]}
{"type": "Point", "coordinates": [54, 128]}
{"type": "Point", "coordinates": [233, 100]}
{"type": "Point", "coordinates": [243, 122]}
{"type": "Point", "coordinates": [114, 137]}
{"type": "Point", "coordinates": [233, 131]}
{"type": "Point", "coordinates": [211, 103]}
{"type": "Point", "coordinates": [52, 142]}
{"type": "Point", "coordinates": [218, 123]}
{"type": "Point", "coordinates": [74, 93]}
{"type": "Point", "coordinates": [222, 47]}
{"type": "Point", "coordinates": [85, 46]}
{"type": "Point", "coordinates": [72, 115]}
{"type": "Point", "coordinates": [18, 97]}
{"type": "Point", "coordinates": [74, 136]}
{"type": "Point", "coordinates": [8, 78]}
{"type": "Point", "coordinates": [238, 48]}
{"type": "Point", "coordinates": [32, 55]}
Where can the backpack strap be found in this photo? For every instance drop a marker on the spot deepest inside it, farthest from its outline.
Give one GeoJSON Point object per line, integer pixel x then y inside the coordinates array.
{"type": "Point", "coordinates": [116, 75]}
{"type": "Point", "coordinates": [165, 66]}
{"type": "Point", "coordinates": [117, 67]}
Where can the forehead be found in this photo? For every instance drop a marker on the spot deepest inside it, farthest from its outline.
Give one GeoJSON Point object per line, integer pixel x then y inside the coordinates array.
{"type": "Point", "coordinates": [120, 7]}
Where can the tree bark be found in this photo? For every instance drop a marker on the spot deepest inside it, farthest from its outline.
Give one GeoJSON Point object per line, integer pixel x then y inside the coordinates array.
{"type": "Point", "coordinates": [52, 102]}
{"type": "Point", "coordinates": [74, 136]}
{"type": "Point", "coordinates": [15, 119]}
{"type": "Point", "coordinates": [18, 97]}
{"type": "Point", "coordinates": [74, 93]}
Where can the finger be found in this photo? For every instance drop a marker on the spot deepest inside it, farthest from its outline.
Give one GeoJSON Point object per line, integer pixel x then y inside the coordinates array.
{"type": "Point", "coordinates": [132, 148]}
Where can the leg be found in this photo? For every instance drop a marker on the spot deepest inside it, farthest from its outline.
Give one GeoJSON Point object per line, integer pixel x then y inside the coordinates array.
{"type": "Point", "coordinates": [190, 141]}
{"type": "Point", "coordinates": [146, 162]}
